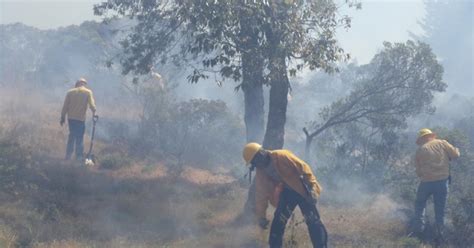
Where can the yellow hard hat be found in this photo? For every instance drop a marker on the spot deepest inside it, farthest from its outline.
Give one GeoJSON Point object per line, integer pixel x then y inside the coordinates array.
{"type": "Point", "coordinates": [82, 80]}
{"type": "Point", "coordinates": [423, 132]}
{"type": "Point", "coordinates": [249, 152]}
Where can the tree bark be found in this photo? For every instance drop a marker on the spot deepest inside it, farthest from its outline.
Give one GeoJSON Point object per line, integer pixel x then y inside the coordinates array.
{"type": "Point", "coordinates": [252, 86]}
{"type": "Point", "coordinates": [279, 82]}
{"type": "Point", "coordinates": [252, 75]}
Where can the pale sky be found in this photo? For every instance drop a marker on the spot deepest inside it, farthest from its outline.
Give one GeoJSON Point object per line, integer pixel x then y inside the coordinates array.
{"type": "Point", "coordinates": [377, 21]}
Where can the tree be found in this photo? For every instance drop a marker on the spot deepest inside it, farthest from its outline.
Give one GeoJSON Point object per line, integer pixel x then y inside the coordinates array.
{"type": "Point", "coordinates": [298, 34]}
{"type": "Point", "coordinates": [53, 58]}
{"type": "Point", "coordinates": [448, 29]}
{"type": "Point", "coordinates": [218, 34]}
{"type": "Point", "coordinates": [235, 38]}
{"type": "Point", "coordinates": [398, 83]}
{"type": "Point", "coordinates": [258, 39]}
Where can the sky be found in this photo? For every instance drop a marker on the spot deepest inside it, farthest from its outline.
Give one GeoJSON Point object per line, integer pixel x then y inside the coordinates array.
{"type": "Point", "coordinates": [379, 21]}
{"type": "Point", "coordinates": [376, 22]}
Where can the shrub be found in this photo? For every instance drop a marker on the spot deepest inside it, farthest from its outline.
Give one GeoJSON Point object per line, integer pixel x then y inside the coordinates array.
{"type": "Point", "coordinates": [408, 242]}
{"type": "Point", "coordinates": [196, 131]}
{"type": "Point", "coordinates": [461, 200]}
{"type": "Point", "coordinates": [15, 161]}
{"type": "Point", "coordinates": [114, 161]}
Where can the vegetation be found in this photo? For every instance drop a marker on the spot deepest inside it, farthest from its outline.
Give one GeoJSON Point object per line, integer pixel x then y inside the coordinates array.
{"type": "Point", "coordinates": [169, 171]}
{"type": "Point", "coordinates": [239, 38]}
{"type": "Point", "coordinates": [15, 161]}
{"type": "Point", "coordinates": [461, 201]}
{"type": "Point", "coordinates": [448, 43]}
{"type": "Point", "coordinates": [196, 131]}
{"type": "Point", "coordinates": [399, 83]}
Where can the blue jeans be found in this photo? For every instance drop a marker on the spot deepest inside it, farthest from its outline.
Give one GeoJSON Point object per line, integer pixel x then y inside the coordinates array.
{"type": "Point", "coordinates": [439, 190]}
{"type": "Point", "coordinates": [76, 138]}
{"type": "Point", "coordinates": [287, 203]}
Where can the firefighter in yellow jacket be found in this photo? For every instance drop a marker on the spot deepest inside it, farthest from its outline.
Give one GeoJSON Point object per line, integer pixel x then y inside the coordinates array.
{"type": "Point", "coordinates": [75, 108]}
{"type": "Point", "coordinates": [432, 167]}
{"type": "Point", "coordinates": [285, 181]}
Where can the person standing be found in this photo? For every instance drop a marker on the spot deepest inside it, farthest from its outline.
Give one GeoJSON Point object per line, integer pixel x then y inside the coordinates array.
{"type": "Point", "coordinates": [432, 168]}
{"type": "Point", "coordinates": [74, 108]}
{"type": "Point", "coordinates": [285, 181]}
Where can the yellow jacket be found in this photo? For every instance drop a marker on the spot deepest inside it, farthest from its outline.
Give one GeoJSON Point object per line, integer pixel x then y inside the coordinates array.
{"type": "Point", "coordinates": [432, 160]}
{"type": "Point", "coordinates": [76, 102]}
{"type": "Point", "coordinates": [289, 168]}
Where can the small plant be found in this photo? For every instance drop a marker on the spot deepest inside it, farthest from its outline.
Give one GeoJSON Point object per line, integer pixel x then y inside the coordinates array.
{"type": "Point", "coordinates": [408, 242]}
{"type": "Point", "coordinates": [7, 238]}
{"type": "Point", "coordinates": [114, 161]}
{"type": "Point", "coordinates": [15, 160]}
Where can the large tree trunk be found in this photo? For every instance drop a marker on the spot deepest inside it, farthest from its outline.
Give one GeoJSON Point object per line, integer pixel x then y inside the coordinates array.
{"type": "Point", "coordinates": [275, 132]}
{"type": "Point", "coordinates": [279, 82]}
{"type": "Point", "coordinates": [252, 75]}
{"type": "Point", "coordinates": [252, 86]}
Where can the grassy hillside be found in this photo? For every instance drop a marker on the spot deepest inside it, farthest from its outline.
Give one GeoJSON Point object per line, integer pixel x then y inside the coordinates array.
{"type": "Point", "coordinates": [132, 201]}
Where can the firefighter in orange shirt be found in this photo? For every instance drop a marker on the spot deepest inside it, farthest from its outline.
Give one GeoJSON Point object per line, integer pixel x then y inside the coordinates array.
{"type": "Point", "coordinates": [281, 170]}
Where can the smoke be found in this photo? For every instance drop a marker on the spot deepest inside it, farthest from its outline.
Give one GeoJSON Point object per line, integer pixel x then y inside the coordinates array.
{"type": "Point", "coordinates": [138, 205]}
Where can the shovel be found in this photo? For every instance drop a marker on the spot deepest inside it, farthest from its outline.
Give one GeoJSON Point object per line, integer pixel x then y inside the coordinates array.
{"type": "Point", "coordinates": [90, 158]}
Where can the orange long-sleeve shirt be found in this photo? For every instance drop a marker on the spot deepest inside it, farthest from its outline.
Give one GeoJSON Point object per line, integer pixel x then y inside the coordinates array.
{"type": "Point", "coordinates": [76, 103]}
{"type": "Point", "coordinates": [289, 169]}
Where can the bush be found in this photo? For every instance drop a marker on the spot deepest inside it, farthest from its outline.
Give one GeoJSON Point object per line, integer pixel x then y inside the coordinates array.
{"type": "Point", "coordinates": [461, 200]}
{"type": "Point", "coordinates": [408, 242]}
{"type": "Point", "coordinates": [197, 131]}
{"type": "Point", "coordinates": [114, 161]}
{"type": "Point", "coordinates": [15, 161]}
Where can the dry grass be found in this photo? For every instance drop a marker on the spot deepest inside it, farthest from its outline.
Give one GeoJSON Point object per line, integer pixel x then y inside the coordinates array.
{"type": "Point", "coordinates": [142, 206]}
{"type": "Point", "coordinates": [8, 238]}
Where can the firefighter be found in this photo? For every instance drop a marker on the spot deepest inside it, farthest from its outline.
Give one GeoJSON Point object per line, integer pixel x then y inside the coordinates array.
{"type": "Point", "coordinates": [286, 181]}
{"type": "Point", "coordinates": [432, 167]}
{"type": "Point", "coordinates": [74, 108]}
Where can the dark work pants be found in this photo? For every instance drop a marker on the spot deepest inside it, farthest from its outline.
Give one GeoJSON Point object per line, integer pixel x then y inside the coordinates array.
{"type": "Point", "coordinates": [439, 190]}
{"type": "Point", "coordinates": [76, 138]}
{"type": "Point", "coordinates": [288, 201]}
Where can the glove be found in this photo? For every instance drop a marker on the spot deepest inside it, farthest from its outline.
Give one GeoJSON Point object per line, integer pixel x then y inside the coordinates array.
{"type": "Point", "coordinates": [311, 194]}
{"type": "Point", "coordinates": [61, 122]}
{"type": "Point", "coordinates": [263, 223]}
{"type": "Point", "coordinates": [312, 198]}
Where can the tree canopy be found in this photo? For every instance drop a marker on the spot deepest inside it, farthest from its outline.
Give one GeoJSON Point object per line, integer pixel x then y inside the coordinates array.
{"type": "Point", "coordinates": [279, 37]}
{"type": "Point", "coordinates": [398, 83]}
{"type": "Point", "coordinates": [212, 30]}
{"type": "Point", "coordinates": [448, 29]}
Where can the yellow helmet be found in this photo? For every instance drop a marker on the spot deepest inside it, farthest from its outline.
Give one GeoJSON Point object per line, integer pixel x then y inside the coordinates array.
{"type": "Point", "coordinates": [81, 81]}
{"type": "Point", "coordinates": [423, 132]}
{"type": "Point", "coordinates": [249, 152]}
